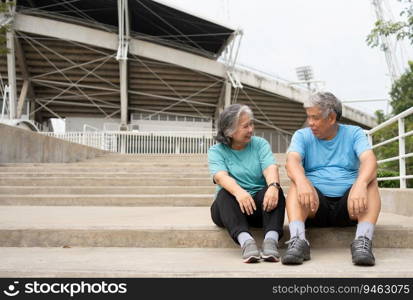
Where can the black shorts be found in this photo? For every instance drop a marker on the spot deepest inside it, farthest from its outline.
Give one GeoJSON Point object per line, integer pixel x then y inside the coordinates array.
{"type": "Point", "coordinates": [332, 212]}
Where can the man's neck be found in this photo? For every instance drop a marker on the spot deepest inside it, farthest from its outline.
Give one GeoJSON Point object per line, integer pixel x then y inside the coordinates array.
{"type": "Point", "coordinates": [332, 134]}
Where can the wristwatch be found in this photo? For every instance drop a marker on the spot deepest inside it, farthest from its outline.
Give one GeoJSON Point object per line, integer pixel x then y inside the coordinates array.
{"type": "Point", "coordinates": [274, 184]}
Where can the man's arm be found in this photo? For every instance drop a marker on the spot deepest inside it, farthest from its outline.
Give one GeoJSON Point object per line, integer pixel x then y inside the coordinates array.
{"type": "Point", "coordinates": [368, 167]}
{"type": "Point", "coordinates": [367, 173]}
{"type": "Point", "coordinates": [244, 199]}
{"type": "Point", "coordinates": [307, 195]}
{"type": "Point", "coordinates": [295, 170]}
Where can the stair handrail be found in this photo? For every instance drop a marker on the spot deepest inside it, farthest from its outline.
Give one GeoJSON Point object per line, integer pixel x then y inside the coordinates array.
{"type": "Point", "coordinates": [402, 135]}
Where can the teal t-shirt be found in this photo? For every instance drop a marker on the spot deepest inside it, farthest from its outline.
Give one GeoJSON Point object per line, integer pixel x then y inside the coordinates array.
{"type": "Point", "coordinates": [331, 165]}
{"type": "Point", "coordinates": [245, 166]}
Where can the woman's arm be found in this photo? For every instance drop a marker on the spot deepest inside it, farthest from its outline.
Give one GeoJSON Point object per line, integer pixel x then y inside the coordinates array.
{"type": "Point", "coordinates": [271, 195]}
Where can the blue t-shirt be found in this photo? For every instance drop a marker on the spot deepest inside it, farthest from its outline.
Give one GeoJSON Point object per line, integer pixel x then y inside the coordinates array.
{"type": "Point", "coordinates": [245, 166]}
{"type": "Point", "coordinates": [331, 165]}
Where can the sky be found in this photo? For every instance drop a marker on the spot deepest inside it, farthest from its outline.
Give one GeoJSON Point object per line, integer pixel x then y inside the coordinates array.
{"type": "Point", "coordinates": [329, 35]}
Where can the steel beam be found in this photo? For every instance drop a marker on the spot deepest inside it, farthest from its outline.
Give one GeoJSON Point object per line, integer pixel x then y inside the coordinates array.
{"type": "Point", "coordinates": [11, 72]}
{"type": "Point", "coordinates": [122, 57]}
{"type": "Point", "coordinates": [99, 38]}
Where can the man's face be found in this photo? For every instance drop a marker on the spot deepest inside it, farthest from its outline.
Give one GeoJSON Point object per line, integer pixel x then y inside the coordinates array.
{"type": "Point", "coordinates": [244, 130]}
{"type": "Point", "coordinates": [320, 126]}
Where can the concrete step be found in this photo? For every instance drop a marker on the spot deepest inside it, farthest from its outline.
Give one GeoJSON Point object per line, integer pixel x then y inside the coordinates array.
{"type": "Point", "coordinates": [109, 200]}
{"type": "Point", "coordinates": [192, 262]}
{"type": "Point", "coordinates": [160, 227]}
{"type": "Point", "coordinates": [115, 157]}
{"type": "Point", "coordinates": [39, 174]}
{"type": "Point", "coordinates": [98, 181]}
{"type": "Point", "coordinates": [103, 169]}
{"type": "Point", "coordinates": [109, 190]}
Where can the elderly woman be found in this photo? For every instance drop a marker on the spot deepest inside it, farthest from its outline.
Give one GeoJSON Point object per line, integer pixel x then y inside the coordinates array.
{"type": "Point", "coordinates": [248, 191]}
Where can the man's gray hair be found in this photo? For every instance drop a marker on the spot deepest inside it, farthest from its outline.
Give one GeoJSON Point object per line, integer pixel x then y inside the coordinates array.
{"type": "Point", "coordinates": [327, 103]}
{"type": "Point", "coordinates": [228, 122]}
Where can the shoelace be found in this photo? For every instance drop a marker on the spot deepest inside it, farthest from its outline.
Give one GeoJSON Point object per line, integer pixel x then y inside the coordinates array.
{"type": "Point", "coordinates": [291, 242]}
{"type": "Point", "coordinates": [362, 244]}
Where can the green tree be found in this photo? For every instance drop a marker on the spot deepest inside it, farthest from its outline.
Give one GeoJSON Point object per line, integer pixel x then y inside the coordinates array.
{"type": "Point", "coordinates": [4, 8]}
{"type": "Point", "coordinates": [402, 98]}
{"type": "Point", "coordinates": [402, 91]}
{"type": "Point", "coordinates": [401, 95]}
{"type": "Point", "coordinates": [401, 29]}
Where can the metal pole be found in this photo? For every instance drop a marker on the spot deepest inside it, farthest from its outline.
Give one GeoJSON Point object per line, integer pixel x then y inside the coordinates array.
{"type": "Point", "coordinates": [402, 152]}
{"type": "Point", "coordinates": [11, 71]}
{"type": "Point", "coordinates": [227, 99]}
{"type": "Point", "coordinates": [123, 70]}
{"type": "Point", "coordinates": [122, 57]}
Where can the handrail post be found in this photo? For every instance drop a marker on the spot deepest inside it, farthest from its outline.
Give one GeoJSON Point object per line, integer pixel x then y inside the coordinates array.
{"type": "Point", "coordinates": [370, 138]}
{"type": "Point", "coordinates": [402, 153]}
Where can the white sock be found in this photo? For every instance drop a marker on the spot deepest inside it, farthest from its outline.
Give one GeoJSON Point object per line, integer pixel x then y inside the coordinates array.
{"type": "Point", "coordinates": [243, 237]}
{"type": "Point", "coordinates": [272, 234]}
{"type": "Point", "coordinates": [365, 229]}
{"type": "Point", "coordinates": [297, 228]}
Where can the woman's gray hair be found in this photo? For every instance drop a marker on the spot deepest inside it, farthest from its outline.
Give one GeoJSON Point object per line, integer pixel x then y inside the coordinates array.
{"type": "Point", "coordinates": [228, 122]}
{"type": "Point", "coordinates": [327, 103]}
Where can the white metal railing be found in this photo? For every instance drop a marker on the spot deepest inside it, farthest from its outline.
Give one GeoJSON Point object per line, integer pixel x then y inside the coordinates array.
{"type": "Point", "coordinates": [132, 142]}
{"type": "Point", "coordinates": [141, 142]}
{"type": "Point", "coordinates": [401, 138]}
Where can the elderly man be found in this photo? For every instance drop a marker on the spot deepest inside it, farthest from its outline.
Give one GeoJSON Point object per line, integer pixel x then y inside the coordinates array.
{"type": "Point", "coordinates": [333, 181]}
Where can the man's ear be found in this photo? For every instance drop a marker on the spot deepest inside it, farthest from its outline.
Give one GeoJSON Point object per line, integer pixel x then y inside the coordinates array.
{"type": "Point", "coordinates": [332, 117]}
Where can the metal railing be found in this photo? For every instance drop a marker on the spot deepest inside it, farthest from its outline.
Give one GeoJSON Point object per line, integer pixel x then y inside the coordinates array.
{"type": "Point", "coordinates": [130, 142]}
{"type": "Point", "coordinates": [401, 138]}
{"type": "Point", "coordinates": [141, 142]}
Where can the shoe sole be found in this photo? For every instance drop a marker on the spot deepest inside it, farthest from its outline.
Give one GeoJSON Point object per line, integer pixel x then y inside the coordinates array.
{"type": "Point", "coordinates": [270, 258]}
{"type": "Point", "coordinates": [294, 260]}
{"type": "Point", "coordinates": [363, 262]}
{"type": "Point", "coordinates": [251, 259]}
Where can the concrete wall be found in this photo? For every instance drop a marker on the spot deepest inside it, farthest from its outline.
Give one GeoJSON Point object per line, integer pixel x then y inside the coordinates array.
{"type": "Point", "coordinates": [397, 201]}
{"type": "Point", "coordinates": [19, 145]}
{"type": "Point", "coordinates": [77, 123]}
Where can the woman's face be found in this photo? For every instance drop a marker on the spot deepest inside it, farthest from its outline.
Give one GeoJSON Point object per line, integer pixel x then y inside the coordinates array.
{"type": "Point", "coordinates": [244, 130]}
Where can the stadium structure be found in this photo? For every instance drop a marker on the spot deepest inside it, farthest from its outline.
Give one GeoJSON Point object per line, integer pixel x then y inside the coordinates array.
{"type": "Point", "coordinates": [136, 65]}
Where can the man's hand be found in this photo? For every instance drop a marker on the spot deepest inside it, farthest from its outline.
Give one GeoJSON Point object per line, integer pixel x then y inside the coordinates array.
{"type": "Point", "coordinates": [270, 199]}
{"type": "Point", "coordinates": [307, 196]}
{"type": "Point", "coordinates": [357, 199]}
{"type": "Point", "coordinates": [246, 203]}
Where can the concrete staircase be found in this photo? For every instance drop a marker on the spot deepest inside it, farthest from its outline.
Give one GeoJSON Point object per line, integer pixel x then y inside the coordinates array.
{"type": "Point", "coordinates": [148, 216]}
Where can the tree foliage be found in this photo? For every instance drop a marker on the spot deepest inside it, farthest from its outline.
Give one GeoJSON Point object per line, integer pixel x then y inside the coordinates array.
{"type": "Point", "coordinates": [401, 29]}
{"type": "Point", "coordinates": [4, 8]}
{"type": "Point", "coordinates": [401, 95]}
{"type": "Point", "coordinates": [402, 98]}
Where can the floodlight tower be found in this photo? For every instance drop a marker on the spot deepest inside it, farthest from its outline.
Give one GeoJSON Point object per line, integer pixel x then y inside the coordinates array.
{"type": "Point", "coordinates": [305, 74]}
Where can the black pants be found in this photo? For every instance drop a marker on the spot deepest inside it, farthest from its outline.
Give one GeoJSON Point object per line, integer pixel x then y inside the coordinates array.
{"type": "Point", "coordinates": [332, 211]}
{"type": "Point", "coordinates": [226, 213]}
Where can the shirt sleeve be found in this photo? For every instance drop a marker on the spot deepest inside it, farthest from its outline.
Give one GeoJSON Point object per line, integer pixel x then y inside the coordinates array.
{"type": "Point", "coordinates": [216, 161]}
{"type": "Point", "coordinates": [297, 144]}
{"type": "Point", "coordinates": [361, 142]}
{"type": "Point", "coordinates": [265, 154]}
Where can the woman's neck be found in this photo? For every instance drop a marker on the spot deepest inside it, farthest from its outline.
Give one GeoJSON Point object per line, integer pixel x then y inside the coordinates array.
{"type": "Point", "coordinates": [238, 146]}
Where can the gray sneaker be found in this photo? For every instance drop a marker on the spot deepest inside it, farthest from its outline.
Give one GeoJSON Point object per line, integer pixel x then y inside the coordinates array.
{"type": "Point", "coordinates": [361, 251]}
{"type": "Point", "coordinates": [270, 250]}
{"type": "Point", "coordinates": [297, 252]}
{"type": "Point", "coordinates": [250, 253]}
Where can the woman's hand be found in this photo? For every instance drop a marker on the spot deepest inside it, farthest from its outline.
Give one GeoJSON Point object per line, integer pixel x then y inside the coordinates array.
{"type": "Point", "coordinates": [270, 199]}
{"type": "Point", "coordinates": [245, 201]}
